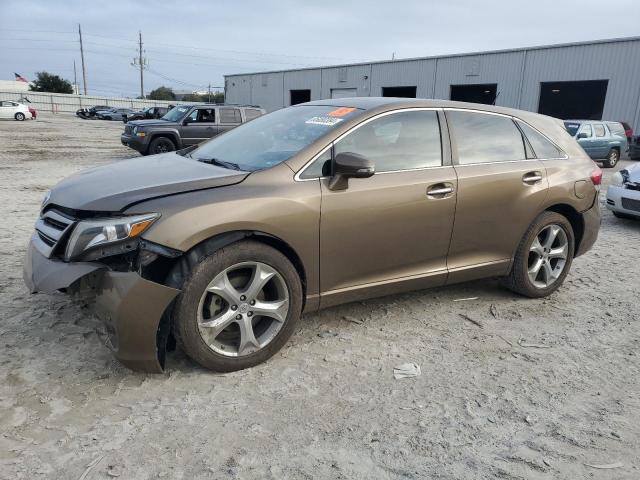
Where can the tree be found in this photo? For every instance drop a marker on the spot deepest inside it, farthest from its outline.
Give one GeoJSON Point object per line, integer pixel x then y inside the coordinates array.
{"type": "Point", "coordinates": [215, 97]}
{"type": "Point", "coordinates": [48, 82]}
{"type": "Point", "coordinates": [162, 93]}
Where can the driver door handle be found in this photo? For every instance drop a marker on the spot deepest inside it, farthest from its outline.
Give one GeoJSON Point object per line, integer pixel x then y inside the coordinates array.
{"type": "Point", "coordinates": [531, 178]}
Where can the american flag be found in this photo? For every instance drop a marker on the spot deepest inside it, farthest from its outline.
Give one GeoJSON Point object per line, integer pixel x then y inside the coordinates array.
{"type": "Point", "coordinates": [20, 78]}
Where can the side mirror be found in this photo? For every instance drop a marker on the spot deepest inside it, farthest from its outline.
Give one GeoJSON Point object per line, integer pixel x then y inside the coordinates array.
{"type": "Point", "coordinates": [350, 165]}
{"type": "Point", "coordinates": [185, 121]}
{"type": "Point", "coordinates": [582, 135]}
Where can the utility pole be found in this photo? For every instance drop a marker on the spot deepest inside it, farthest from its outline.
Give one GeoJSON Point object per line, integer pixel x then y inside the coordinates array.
{"type": "Point", "coordinates": [141, 66]}
{"type": "Point", "coordinates": [84, 71]}
{"type": "Point", "coordinates": [209, 92]}
{"type": "Point", "coordinates": [76, 90]}
{"type": "Point", "coordinates": [140, 61]}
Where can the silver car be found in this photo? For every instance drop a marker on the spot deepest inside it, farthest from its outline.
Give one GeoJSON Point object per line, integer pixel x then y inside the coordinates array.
{"type": "Point", "coordinates": [623, 194]}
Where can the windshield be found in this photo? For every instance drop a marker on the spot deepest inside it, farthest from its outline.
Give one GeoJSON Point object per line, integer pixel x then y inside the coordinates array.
{"type": "Point", "coordinates": [176, 113]}
{"type": "Point", "coordinates": [572, 128]}
{"type": "Point", "coordinates": [273, 138]}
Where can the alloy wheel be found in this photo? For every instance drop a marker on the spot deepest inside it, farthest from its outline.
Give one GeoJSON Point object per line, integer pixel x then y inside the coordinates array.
{"type": "Point", "coordinates": [243, 308]}
{"type": "Point", "coordinates": [548, 256]}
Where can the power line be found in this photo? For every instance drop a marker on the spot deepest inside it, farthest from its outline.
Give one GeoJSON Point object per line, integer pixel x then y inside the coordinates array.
{"type": "Point", "coordinates": [174, 45]}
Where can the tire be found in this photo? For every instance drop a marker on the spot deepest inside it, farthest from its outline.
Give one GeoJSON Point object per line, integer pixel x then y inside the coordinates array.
{"type": "Point", "coordinates": [161, 145]}
{"type": "Point", "coordinates": [19, 116]}
{"type": "Point", "coordinates": [223, 350]}
{"type": "Point", "coordinates": [612, 158]}
{"type": "Point", "coordinates": [528, 256]}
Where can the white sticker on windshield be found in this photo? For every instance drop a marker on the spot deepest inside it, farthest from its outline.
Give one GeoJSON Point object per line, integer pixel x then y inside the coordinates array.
{"type": "Point", "coordinates": [324, 120]}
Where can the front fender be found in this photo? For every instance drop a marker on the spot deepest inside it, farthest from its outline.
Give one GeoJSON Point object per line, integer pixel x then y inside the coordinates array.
{"type": "Point", "coordinates": [168, 132]}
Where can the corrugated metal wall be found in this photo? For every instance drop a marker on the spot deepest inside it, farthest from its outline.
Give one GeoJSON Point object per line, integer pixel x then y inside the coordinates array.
{"type": "Point", "coordinates": [505, 69]}
{"type": "Point", "coordinates": [518, 74]}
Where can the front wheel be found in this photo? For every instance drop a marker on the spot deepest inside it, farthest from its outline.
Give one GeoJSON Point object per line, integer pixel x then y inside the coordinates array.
{"type": "Point", "coordinates": [544, 256]}
{"type": "Point", "coordinates": [238, 307]}
{"type": "Point", "coordinates": [612, 158]}
{"type": "Point", "coordinates": [161, 145]}
{"type": "Point", "coordinates": [20, 116]}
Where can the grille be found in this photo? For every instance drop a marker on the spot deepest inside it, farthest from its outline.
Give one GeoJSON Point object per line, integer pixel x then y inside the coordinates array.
{"type": "Point", "coordinates": [52, 230]}
{"type": "Point", "coordinates": [128, 129]}
{"type": "Point", "coordinates": [631, 204]}
{"type": "Point", "coordinates": [632, 185]}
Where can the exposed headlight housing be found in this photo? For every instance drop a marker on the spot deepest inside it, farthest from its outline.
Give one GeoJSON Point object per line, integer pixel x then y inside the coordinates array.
{"type": "Point", "coordinates": [88, 234]}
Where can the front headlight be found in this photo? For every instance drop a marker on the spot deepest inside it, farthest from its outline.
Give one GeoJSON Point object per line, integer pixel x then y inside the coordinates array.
{"type": "Point", "coordinates": [618, 178]}
{"type": "Point", "coordinates": [135, 130]}
{"type": "Point", "coordinates": [91, 233]}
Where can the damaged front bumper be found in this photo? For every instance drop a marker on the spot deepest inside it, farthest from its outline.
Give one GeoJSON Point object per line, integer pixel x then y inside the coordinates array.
{"type": "Point", "coordinates": [130, 306]}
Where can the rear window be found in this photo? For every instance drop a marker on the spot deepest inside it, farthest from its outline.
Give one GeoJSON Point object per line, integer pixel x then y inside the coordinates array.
{"type": "Point", "coordinates": [230, 115]}
{"type": "Point", "coordinates": [251, 113]}
{"type": "Point", "coordinates": [542, 147]}
{"type": "Point", "coordinates": [484, 138]}
{"type": "Point", "coordinates": [616, 129]}
{"type": "Point", "coordinates": [572, 128]}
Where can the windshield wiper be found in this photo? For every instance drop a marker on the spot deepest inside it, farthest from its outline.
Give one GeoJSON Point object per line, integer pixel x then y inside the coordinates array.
{"type": "Point", "coordinates": [220, 163]}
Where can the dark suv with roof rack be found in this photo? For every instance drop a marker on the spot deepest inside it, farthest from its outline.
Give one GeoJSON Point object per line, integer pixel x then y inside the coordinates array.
{"type": "Point", "coordinates": [185, 125]}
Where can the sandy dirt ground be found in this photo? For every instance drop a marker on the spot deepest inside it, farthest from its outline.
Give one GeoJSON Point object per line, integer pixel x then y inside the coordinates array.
{"type": "Point", "coordinates": [543, 389]}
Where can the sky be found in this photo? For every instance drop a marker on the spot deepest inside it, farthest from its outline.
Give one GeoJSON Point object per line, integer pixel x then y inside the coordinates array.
{"type": "Point", "coordinates": [189, 45]}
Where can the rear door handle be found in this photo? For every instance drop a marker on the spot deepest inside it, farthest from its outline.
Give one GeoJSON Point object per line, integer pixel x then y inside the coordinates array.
{"type": "Point", "coordinates": [440, 190]}
{"type": "Point", "coordinates": [531, 178]}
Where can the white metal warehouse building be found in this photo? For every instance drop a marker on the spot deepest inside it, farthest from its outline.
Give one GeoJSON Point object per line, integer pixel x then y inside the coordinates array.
{"type": "Point", "coordinates": [596, 80]}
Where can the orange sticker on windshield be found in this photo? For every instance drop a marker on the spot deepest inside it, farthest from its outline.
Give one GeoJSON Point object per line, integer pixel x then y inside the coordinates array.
{"type": "Point", "coordinates": [341, 112]}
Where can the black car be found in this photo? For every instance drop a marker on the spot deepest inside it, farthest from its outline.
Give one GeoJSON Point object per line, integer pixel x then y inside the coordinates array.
{"type": "Point", "coordinates": [91, 111]}
{"type": "Point", "coordinates": [146, 114]}
{"type": "Point", "coordinates": [185, 125]}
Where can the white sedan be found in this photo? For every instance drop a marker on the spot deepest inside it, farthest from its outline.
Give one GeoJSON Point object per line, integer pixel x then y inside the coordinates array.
{"type": "Point", "coordinates": [623, 194]}
{"type": "Point", "coordinates": [14, 110]}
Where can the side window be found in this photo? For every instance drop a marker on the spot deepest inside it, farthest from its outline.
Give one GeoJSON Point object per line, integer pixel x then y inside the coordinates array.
{"type": "Point", "coordinates": [230, 115]}
{"type": "Point", "coordinates": [542, 147]}
{"type": "Point", "coordinates": [586, 129]}
{"type": "Point", "coordinates": [192, 117]}
{"type": "Point", "coordinates": [206, 115]}
{"type": "Point", "coordinates": [399, 141]}
{"type": "Point", "coordinates": [251, 113]}
{"type": "Point", "coordinates": [599, 129]}
{"type": "Point", "coordinates": [483, 138]}
{"type": "Point", "coordinates": [321, 167]}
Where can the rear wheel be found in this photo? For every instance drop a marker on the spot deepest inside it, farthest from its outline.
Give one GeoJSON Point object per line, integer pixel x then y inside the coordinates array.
{"type": "Point", "coordinates": [612, 158]}
{"type": "Point", "coordinates": [161, 145]}
{"type": "Point", "coordinates": [544, 256]}
{"type": "Point", "coordinates": [20, 116]}
{"type": "Point", "coordinates": [238, 307]}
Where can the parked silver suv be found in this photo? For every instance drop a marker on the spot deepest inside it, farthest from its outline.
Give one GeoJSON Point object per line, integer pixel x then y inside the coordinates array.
{"type": "Point", "coordinates": [185, 125]}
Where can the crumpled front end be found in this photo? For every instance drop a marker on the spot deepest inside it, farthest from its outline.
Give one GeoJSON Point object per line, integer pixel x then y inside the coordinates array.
{"type": "Point", "coordinates": [131, 307]}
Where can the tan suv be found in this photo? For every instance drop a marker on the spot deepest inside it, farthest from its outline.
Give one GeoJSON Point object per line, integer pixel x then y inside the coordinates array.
{"type": "Point", "coordinates": [224, 246]}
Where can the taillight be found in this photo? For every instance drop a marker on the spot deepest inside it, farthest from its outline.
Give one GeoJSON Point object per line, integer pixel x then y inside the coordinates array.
{"type": "Point", "coordinates": [596, 176]}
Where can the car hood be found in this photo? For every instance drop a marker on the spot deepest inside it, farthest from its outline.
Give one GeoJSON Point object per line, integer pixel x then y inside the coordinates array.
{"type": "Point", "coordinates": [153, 122]}
{"type": "Point", "coordinates": [114, 187]}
